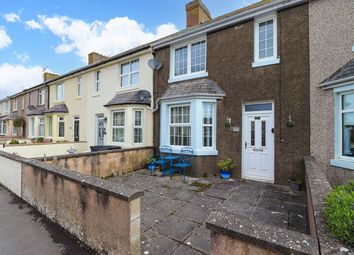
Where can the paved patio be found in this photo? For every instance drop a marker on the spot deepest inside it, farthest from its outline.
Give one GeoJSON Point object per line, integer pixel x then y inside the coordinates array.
{"type": "Point", "coordinates": [173, 213]}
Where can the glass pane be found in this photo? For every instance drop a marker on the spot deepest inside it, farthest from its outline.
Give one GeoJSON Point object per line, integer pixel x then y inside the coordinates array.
{"type": "Point", "coordinates": [135, 66]}
{"type": "Point", "coordinates": [207, 136]}
{"type": "Point", "coordinates": [137, 118]}
{"type": "Point", "coordinates": [125, 68]}
{"type": "Point", "coordinates": [208, 109]}
{"type": "Point", "coordinates": [348, 102]}
{"type": "Point", "coordinates": [134, 78]}
{"type": "Point", "coordinates": [61, 129]}
{"type": "Point", "coordinates": [124, 80]}
{"type": "Point", "coordinates": [348, 134]}
{"type": "Point", "coordinates": [264, 133]}
{"type": "Point", "coordinates": [258, 107]}
{"type": "Point", "coordinates": [138, 138]}
{"type": "Point", "coordinates": [198, 57]}
{"type": "Point", "coordinates": [181, 61]}
{"type": "Point", "coordinates": [252, 133]}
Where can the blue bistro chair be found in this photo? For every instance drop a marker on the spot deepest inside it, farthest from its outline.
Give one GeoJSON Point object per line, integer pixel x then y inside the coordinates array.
{"type": "Point", "coordinates": [162, 161]}
{"type": "Point", "coordinates": [185, 161]}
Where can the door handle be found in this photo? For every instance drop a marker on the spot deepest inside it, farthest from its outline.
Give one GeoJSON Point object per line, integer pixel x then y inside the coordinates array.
{"type": "Point", "coordinates": [245, 145]}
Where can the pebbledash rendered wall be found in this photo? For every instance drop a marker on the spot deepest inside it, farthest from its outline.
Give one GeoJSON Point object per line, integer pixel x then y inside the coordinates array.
{"type": "Point", "coordinates": [330, 48]}
{"type": "Point", "coordinates": [104, 215]}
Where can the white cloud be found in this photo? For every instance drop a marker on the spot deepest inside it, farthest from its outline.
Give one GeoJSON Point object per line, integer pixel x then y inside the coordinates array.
{"type": "Point", "coordinates": [111, 37]}
{"type": "Point", "coordinates": [5, 40]}
{"type": "Point", "coordinates": [32, 24]}
{"type": "Point", "coordinates": [15, 78]}
{"type": "Point", "coordinates": [22, 57]}
{"type": "Point", "coordinates": [12, 17]}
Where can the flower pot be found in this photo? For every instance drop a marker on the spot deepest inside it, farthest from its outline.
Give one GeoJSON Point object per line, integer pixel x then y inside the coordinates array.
{"type": "Point", "coordinates": [151, 166]}
{"type": "Point", "coordinates": [294, 185]}
{"type": "Point", "coordinates": [225, 174]}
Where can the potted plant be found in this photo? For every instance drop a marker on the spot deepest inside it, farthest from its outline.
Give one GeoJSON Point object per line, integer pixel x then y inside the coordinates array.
{"type": "Point", "coordinates": [295, 183]}
{"type": "Point", "coordinates": [151, 162]}
{"type": "Point", "coordinates": [225, 167]}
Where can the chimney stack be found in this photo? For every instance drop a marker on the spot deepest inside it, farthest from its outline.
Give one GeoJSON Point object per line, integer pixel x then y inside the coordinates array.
{"type": "Point", "coordinates": [94, 57]}
{"type": "Point", "coordinates": [197, 13]}
{"type": "Point", "coordinates": [49, 76]}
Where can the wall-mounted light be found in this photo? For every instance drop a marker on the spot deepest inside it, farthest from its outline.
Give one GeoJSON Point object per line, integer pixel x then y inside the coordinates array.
{"type": "Point", "coordinates": [290, 123]}
{"type": "Point", "coordinates": [228, 123]}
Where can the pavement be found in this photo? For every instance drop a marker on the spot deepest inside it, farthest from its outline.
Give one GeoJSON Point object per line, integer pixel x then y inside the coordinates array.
{"type": "Point", "coordinates": [173, 213]}
{"type": "Point", "coordinates": [24, 231]}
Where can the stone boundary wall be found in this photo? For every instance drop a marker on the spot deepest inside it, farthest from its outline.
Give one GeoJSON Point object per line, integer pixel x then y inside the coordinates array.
{"type": "Point", "coordinates": [10, 174]}
{"type": "Point", "coordinates": [104, 163]}
{"type": "Point", "coordinates": [317, 189]}
{"type": "Point", "coordinates": [104, 215]}
{"type": "Point", "coordinates": [231, 234]}
{"type": "Point", "coordinates": [41, 149]}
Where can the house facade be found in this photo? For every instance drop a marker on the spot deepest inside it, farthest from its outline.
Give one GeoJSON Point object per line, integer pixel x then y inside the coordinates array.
{"type": "Point", "coordinates": [4, 112]}
{"type": "Point", "coordinates": [332, 87]}
{"type": "Point", "coordinates": [104, 103]}
{"type": "Point", "coordinates": [238, 87]}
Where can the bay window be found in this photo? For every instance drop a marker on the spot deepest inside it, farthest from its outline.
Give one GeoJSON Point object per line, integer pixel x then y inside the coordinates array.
{"type": "Point", "coordinates": [118, 126]}
{"type": "Point", "coordinates": [32, 123]}
{"type": "Point", "coordinates": [208, 122]}
{"type": "Point", "coordinates": [188, 60]}
{"type": "Point", "coordinates": [138, 126]}
{"type": "Point", "coordinates": [50, 126]}
{"type": "Point", "coordinates": [180, 126]}
{"type": "Point", "coordinates": [41, 126]}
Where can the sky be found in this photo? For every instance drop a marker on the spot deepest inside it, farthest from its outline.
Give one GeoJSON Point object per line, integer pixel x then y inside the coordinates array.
{"type": "Point", "coordinates": [57, 35]}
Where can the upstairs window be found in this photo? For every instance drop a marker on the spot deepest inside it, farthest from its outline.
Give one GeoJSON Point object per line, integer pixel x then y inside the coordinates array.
{"type": "Point", "coordinates": [42, 97]}
{"type": "Point", "coordinates": [79, 86]}
{"type": "Point", "coordinates": [60, 92]}
{"type": "Point", "coordinates": [129, 73]}
{"type": "Point", "coordinates": [265, 41]}
{"type": "Point", "coordinates": [98, 81]}
{"type": "Point", "coordinates": [188, 60]}
{"type": "Point", "coordinates": [14, 105]}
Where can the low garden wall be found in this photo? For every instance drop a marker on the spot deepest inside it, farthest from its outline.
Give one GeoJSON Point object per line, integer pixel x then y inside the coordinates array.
{"type": "Point", "coordinates": [104, 163]}
{"type": "Point", "coordinates": [317, 189]}
{"type": "Point", "coordinates": [104, 215]}
{"type": "Point", "coordinates": [232, 234]}
{"type": "Point", "coordinates": [41, 149]}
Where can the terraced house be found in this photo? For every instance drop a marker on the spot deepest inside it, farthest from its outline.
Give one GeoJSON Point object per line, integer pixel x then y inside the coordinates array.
{"type": "Point", "coordinates": [4, 112]}
{"type": "Point", "coordinates": [106, 102]}
{"type": "Point", "coordinates": [237, 86]}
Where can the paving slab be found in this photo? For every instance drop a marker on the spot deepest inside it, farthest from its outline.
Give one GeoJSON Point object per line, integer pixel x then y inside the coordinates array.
{"type": "Point", "coordinates": [269, 217]}
{"type": "Point", "coordinates": [185, 250]}
{"type": "Point", "coordinates": [194, 213]}
{"type": "Point", "coordinates": [206, 201]}
{"type": "Point", "coordinates": [200, 239]}
{"type": "Point", "coordinates": [154, 243]}
{"type": "Point", "coordinates": [176, 228]}
{"type": "Point", "coordinates": [151, 216]}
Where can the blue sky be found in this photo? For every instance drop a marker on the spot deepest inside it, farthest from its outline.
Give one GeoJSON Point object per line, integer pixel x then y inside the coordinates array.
{"type": "Point", "coordinates": [58, 34]}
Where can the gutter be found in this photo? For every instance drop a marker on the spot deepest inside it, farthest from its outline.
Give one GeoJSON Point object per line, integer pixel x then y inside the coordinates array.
{"type": "Point", "coordinates": [332, 84]}
{"type": "Point", "coordinates": [224, 22]}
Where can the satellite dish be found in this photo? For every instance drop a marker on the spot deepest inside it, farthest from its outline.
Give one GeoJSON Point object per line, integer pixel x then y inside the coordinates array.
{"type": "Point", "coordinates": [155, 64]}
{"type": "Point", "coordinates": [143, 94]}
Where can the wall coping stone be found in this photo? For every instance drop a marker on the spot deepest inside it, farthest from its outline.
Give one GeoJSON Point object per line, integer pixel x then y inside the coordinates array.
{"type": "Point", "coordinates": [95, 153]}
{"type": "Point", "coordinates": [319, 187]}
{"type": "Point", "coordinates": [266, 236]}
{"type": "Point", "coordinates": [122, 191]}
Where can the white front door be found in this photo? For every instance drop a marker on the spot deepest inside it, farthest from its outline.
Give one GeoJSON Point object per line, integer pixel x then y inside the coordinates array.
{"type": "Point", "coordinates": [258, 142]}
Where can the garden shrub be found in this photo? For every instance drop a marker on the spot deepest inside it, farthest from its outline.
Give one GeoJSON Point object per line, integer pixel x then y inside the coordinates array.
{"type": "Point", "coordinates": [14, 141]}
{"type": "Point", "coordinates": [339, 213]}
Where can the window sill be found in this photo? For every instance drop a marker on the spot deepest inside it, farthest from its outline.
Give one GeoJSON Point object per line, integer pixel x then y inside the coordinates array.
{"type": "Point", "coordinates": [96, 95]}
{"type": "Point", "coordinates": [342, 163]}
{"type": "Point", "coordinates": [266, 63]}
{"type": "Point", "coordinates": [79, 98]}
{"type": "Point", "coordinates": [196, 152]}
{"type": "Point", "coordinates": [188, 77]}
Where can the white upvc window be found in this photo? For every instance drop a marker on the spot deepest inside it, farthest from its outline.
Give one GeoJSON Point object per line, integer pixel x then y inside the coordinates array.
{"type": "Point", "coordinates": [129, 73]}
{"type": "Point", "coordinates": [188, 60]}
{"type": "Point", "coordinates": [50, 126]}
{"type": "Point", "coordinates": [265, 41]}
{"type": "Point", "coordinates": [118, 126]}
{"type": "Point", "coordinates": [138, 126]}
{"type": "Point", "coordinates": [14, 105]}
{"type": "Point", "coordinates": [42, 97]}
{"type": "Point", "coordinates": [61, 126]}
{"type": "Point", "coordinates": [344, 128]}
{"type": "Point", "coordinates": [180, 125]}
{"type": "Point", "coordinates": [79, 86]}
{"type": "Point", "coordinates": [98, 80]}
{"type": "Point", "coordinates": [208, 124]}
{"type": "Point", "coordinates": [32, 123]}
{"type": "Point", "coordinates": [3, 127]}
{"type": "Point", "coordinates": [60, 92]}
{"type": "Point", "coordinates": [41, 126]}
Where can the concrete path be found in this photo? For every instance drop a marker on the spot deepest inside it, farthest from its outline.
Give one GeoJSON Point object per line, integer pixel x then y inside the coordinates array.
{"type": "Point", "coordinates": [24, 231]}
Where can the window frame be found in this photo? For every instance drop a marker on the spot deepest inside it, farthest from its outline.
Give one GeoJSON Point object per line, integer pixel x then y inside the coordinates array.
{"type": "Point", "coordinates": [130, 73]}
{"type": "Point", "coordinates": [213, 125]}
{"type": "Point", "coordinates": [189, 74]}
{"type": "Point", "coordinates": [3, 127]}
{"type": "Point", "coordinates": [141, 126]}
{"type": "Point", "coordinates": [179, 124]}
{"type": "Point", "coordinates": [33, 125]}
{"type": "Point", "coordinates": [258, 62]}
{"type": "Point", "coordinates": [119, 127]}
{"type": "Point", "coordinates": [98, 81]}
{"type": "Point", "coordinates": [39, 126]}
{"type": "Point", "coordinates": [41, 96]}
{"type": "Point", "coordinates": [50, 126]}
{"type": "Point", "coordinates": [79, 86]}
{"type": "Point", "coordinates": [14, 105]}
{"type": "Point", "coordinates": [340, 160]}
{"type": "Point", "coordinates": [59, 122]}
{"type": "Point", "coordinates": [62, 92]}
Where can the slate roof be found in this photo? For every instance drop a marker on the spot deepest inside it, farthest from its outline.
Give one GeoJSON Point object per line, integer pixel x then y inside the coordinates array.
{"type": "Point", "coordinates": [60, 108]}
{"type": "Point", "coordinates": [347, 71]}
{"type": "Point", "coordinates": [202, 87]}
{"type": "Point", "coordinates": [11, 116]}
{"type": "Point", "coordinates": [35, 110]}
{"type": "Point", "coordinates": [136, 97]}
{"type": "Point", "coordinates": [3, 117]}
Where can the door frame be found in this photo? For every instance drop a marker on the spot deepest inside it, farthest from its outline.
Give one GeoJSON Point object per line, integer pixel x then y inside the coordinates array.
{"type": "Point", "coordinates": [76, 120]}
{"type": "Point", "coordinates": [243, 150]}
{"type": "Point", "coordinates": [96, 133]}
